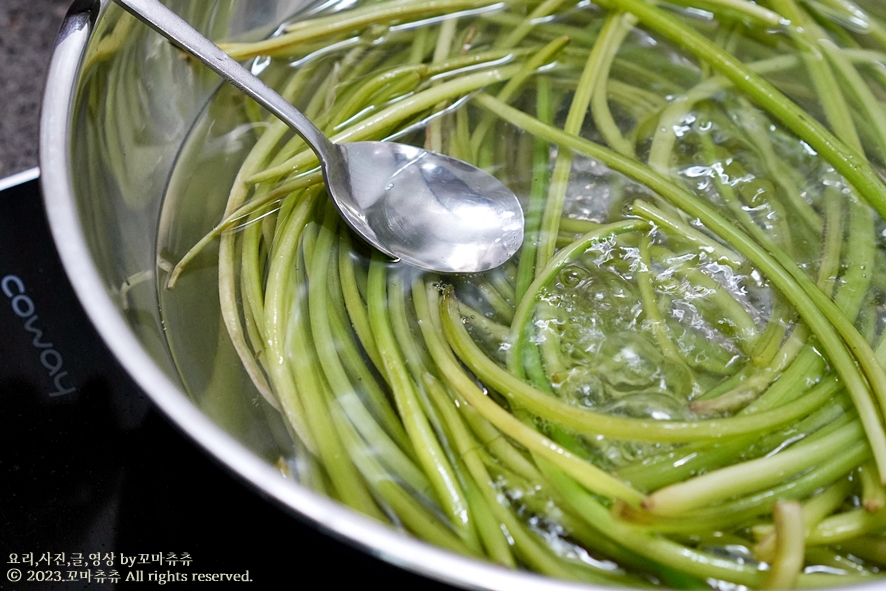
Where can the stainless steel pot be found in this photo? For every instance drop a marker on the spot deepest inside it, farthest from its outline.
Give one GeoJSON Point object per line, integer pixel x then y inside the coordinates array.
{"type": "Point", "coordinates": [119, 105]}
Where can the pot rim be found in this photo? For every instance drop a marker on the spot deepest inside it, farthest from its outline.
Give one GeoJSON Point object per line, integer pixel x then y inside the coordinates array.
{"type": "Point", "coordinates": [56, 177]}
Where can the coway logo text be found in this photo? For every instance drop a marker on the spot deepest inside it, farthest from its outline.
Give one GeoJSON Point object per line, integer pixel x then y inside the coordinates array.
{"type": "Point", "coordinates": [23, 307]}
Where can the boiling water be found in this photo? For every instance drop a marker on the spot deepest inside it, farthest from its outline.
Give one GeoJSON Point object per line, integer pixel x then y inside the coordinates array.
{"type": "Point", "coordinates": [659, 323]}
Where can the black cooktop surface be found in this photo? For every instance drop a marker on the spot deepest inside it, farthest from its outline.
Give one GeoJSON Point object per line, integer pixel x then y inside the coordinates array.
{"type": "Point", "coordinates": [98, 490]}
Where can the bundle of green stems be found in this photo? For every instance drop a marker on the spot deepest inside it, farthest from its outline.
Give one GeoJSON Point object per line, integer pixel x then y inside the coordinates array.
{"type": "Point", "coordinates": [679, 379]}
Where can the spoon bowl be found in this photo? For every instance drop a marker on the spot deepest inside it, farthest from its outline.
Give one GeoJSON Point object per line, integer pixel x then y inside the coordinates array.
{"type": "Point", "coordinates": [425, 209]}
{"type": "Point", "coordinates": [429, 210]}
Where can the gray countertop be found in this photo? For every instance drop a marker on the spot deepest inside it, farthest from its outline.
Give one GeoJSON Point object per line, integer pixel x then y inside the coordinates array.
{"type": "Point", "coordinates": [27, 35]}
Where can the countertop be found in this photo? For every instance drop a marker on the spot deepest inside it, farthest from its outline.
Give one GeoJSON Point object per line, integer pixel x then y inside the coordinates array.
{"type": "Point", "coordinates": [27, 35]}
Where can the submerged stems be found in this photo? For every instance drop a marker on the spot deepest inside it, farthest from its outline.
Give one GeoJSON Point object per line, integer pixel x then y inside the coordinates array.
{"type": "Point", "coordinates": [680, 368]}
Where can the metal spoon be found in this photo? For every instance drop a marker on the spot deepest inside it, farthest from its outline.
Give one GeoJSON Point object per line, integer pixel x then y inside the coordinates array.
{"type": "Point", "coordinates": [426, 209]}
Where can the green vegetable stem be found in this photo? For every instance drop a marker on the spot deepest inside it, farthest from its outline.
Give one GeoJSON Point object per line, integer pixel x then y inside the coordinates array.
{"type": "Point", "coordinates": [679, 380]}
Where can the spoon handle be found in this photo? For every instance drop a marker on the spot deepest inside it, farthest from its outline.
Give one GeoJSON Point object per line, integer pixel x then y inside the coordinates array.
{"type": "Point", "coordinates": [174, 28]}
